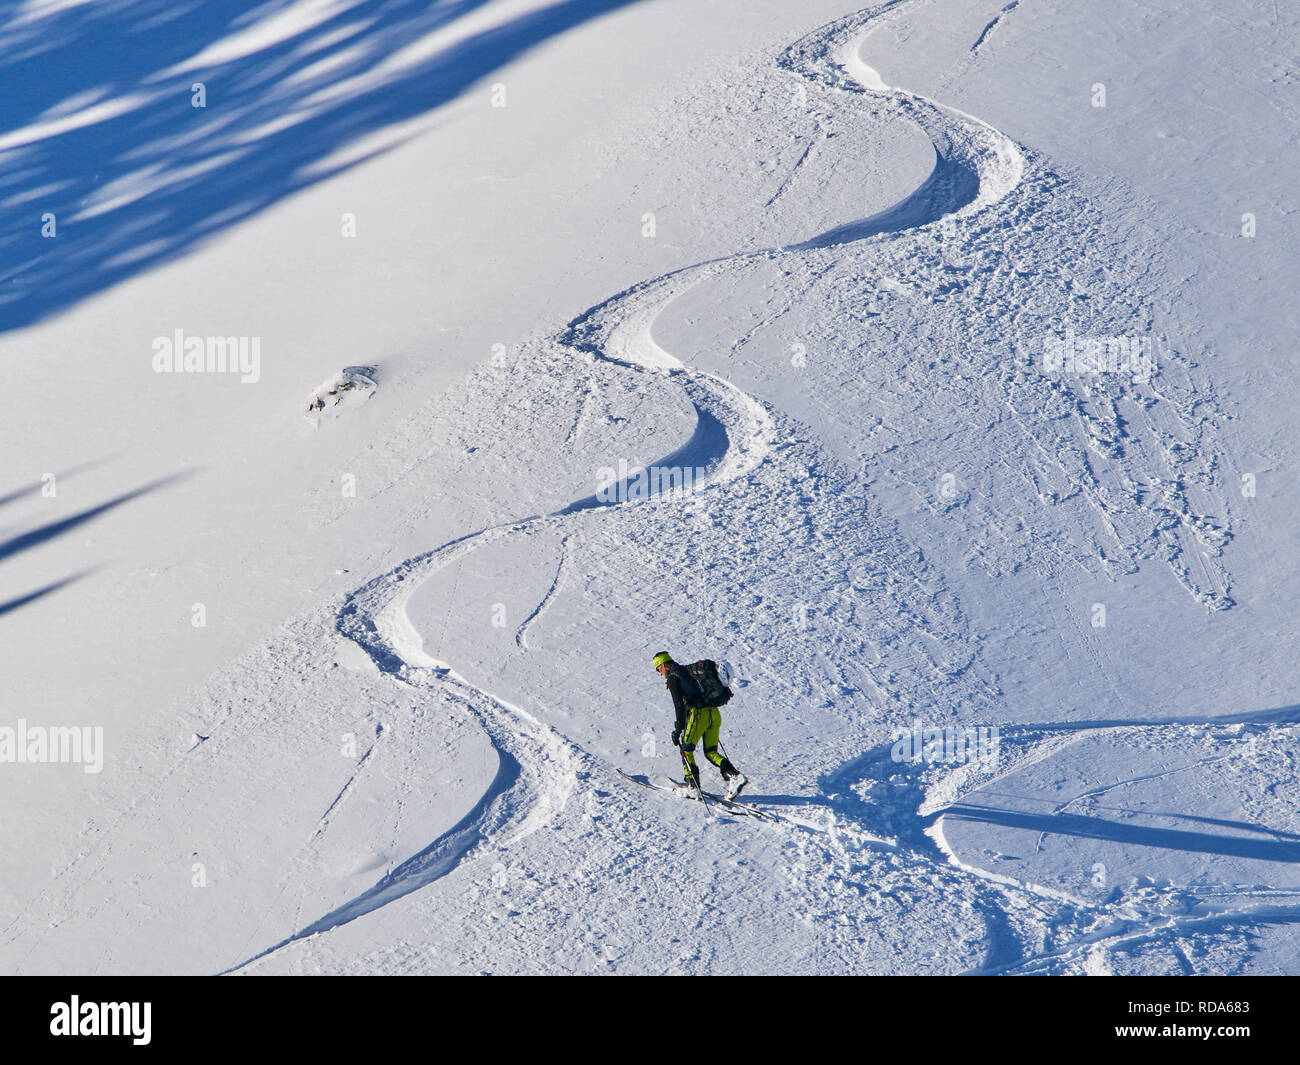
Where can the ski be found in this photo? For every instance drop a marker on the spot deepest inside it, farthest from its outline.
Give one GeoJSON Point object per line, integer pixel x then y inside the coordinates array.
{"type": "Point", "coordinates": [743, 807]}
{"type": "Point", "coordinates": [680, 789]}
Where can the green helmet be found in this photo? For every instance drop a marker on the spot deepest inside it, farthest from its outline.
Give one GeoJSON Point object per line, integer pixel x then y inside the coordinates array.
{"type": "Point", "coordinates": [661, 658]}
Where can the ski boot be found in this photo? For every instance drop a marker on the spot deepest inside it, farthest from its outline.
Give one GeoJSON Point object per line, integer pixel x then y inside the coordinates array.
{"type": "Point", "coordinates": [736, 780]}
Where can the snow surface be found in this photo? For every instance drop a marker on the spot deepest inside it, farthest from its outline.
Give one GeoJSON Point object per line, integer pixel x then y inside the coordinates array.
{"type": "Point", "coordinates": [390, 746]}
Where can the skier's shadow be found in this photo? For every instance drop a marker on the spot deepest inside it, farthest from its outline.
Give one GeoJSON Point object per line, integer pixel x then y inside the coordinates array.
{"type": "Point", "coordinates": [791, 802]}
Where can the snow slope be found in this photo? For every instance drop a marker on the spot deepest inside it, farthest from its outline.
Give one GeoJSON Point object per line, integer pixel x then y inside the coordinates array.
{"type": "Point", "coordinates": [900, 517]}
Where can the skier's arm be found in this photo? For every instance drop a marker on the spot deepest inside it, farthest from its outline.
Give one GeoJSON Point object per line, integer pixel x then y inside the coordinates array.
{"type": "Point", "coordinates": [679, 703]}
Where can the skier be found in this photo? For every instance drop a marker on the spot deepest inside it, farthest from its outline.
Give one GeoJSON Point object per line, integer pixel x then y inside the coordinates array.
{"type": "Point", "coordinates": [695, 723]}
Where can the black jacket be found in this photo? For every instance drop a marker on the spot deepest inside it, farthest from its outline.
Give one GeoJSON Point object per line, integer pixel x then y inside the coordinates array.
{"type": "Point", "coordinates": [682, 687]}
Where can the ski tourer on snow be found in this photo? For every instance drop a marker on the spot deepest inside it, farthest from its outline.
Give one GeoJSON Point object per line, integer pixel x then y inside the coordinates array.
{"type": "Point", "coordinates": [698, 692]}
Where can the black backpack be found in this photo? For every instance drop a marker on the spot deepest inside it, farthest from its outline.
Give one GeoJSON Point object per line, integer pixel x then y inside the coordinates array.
{"type": "Point", "coordinates": [710, 691]}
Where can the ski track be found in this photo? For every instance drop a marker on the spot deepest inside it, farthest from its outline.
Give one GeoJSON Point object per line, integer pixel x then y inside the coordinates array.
{"type": "Point", "coordinates": [992, 25]}
{"type": "Point", "coordinates": [521, 634]}
{"type": "Point", "coordinates": [324, 821]}
{"type": "Point", "coordinates": [975, 167]}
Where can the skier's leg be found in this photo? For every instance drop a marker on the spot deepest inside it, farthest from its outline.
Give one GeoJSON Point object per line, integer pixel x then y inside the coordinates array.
{"type": "Point", "coordinates": [689, 738]}
{"type": "Point", "coordinates": [711, 731]}
{"type": "Point", "coordinates": [712, 743]}
{"type": "Point", "coordinates": [736, 780]}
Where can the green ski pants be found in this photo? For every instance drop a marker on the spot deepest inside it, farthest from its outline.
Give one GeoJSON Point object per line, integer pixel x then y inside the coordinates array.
{"type": "Point", "coordinates": [703, 724]}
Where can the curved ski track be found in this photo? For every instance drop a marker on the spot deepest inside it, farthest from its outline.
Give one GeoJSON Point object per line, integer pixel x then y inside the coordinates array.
{"type": "Point", "coordinates": [975, 167]}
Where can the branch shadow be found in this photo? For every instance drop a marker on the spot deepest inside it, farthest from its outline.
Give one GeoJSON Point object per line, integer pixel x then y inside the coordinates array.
{"type": "Point", "coordinates": [40, 593]}
{"type": "Point", "coordinates": [33, 538]}
{"type": "Point", "coordinates": [35, 486]}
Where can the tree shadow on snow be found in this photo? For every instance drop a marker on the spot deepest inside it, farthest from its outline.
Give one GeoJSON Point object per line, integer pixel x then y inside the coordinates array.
{"type": "Point", "coordinates": [1077, 825]}
{"type": "Point", "coordinates": [16, 544]}
{"type": "Point", "coordinates": [99, 128]}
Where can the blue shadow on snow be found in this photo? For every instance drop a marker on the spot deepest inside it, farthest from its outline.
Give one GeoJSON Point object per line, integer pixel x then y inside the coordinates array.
{"type": "Point", "coordinates": [150, 177]}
